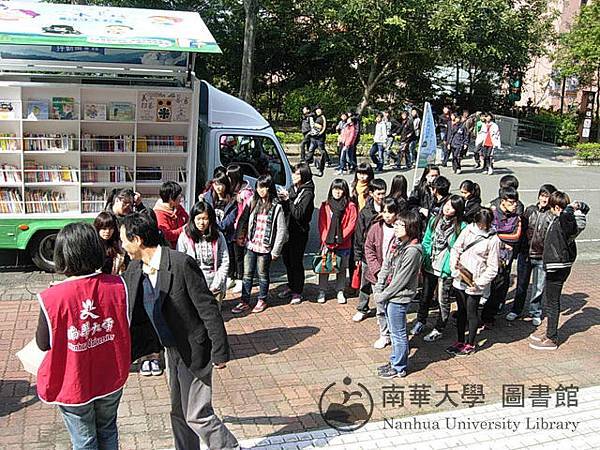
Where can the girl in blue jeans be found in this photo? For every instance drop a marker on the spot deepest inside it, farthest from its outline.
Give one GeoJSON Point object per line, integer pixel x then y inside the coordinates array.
{"type": "Point", "coordinates": [397, 286]}
{"type": "Point", "coordinates": [263, 229]}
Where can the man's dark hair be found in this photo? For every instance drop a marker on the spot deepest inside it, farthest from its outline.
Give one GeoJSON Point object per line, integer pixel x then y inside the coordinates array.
{"type": "Point", "coordinates": [169, 190]}
{"type": "Point", "coordinates": [546, 189]}
{"type": "Point", "coordinates": [142, 226]}
{"type": "Point", "coordinates": [377, 184]}
{"type": "Point", "coordinates": [509, 181]}
{"type": "Point", "coordinates": [441, 185]}
{"type": "Point", "coordinates": [78, 250]}
{"type": "Point", "coordinates": [560, 199]}
{"type": "Point", "coordinates": [412, 224]}
{"type": "Point", "coordinates": [305, 172]}
{"type": "Point", "coordinates": [509, 193]}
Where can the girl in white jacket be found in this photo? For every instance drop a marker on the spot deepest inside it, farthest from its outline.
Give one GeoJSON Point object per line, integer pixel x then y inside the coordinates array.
{"type": "Point", "coordinates": [474, 264]}
{"type": "Point", "coordinates": [488, 139]}
{"type": "Point", "coordinates": [202, 240]}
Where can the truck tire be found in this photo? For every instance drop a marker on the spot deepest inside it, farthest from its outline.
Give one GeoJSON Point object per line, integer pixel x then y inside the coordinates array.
{"type": "Point", "coordinates": [41, 250]}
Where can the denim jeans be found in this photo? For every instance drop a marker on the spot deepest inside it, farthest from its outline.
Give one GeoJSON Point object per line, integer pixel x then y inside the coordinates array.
{"type": "Point", "coordinates": [527, 269]}
{"type": "Point", "coordinates": [256, 262]}
{"type": "Point", "coordinates": [94, 426]}
{"type": "Point", "coordinates": [396, 314]}
{"type": "Point", "coordinates": [388, 154]}
{"type": "Point", "coordinates": [376, 154]}
{"type": "Point", "coordinates": [344, 159]}
{"type": "Point", "coordinates": [366, 289]}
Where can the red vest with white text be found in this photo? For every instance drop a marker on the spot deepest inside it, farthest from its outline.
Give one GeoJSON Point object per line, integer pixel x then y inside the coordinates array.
{"type": "Point", "coordinates": [90, 345]}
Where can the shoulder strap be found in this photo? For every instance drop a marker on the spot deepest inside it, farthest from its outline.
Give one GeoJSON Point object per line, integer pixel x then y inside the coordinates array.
{"type": "Point", "coordinates": [214, 249]}
{"type": "Point", "coordinates": [476, 241]}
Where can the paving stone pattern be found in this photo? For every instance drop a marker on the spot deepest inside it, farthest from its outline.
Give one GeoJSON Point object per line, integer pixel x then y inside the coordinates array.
{"type": "Point", "coordinates": [285, 357]}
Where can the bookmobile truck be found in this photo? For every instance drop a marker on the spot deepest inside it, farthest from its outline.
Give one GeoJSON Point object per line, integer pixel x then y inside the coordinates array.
{"type": "Point", "coordinates": [97, 98]}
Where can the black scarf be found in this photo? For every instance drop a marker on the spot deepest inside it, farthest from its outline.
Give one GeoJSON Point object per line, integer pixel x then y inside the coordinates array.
{"type": "Point", "coordinates": [334, 234]}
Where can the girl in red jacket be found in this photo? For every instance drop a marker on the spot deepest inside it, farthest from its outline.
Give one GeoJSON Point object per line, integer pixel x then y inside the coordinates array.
{"type": "Point", "coordinates": [170, 215]}
{"type": "Point", "coordinates": [337, 219]}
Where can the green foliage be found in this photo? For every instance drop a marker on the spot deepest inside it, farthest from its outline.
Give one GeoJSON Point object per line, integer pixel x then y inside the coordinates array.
{"type": "Point", "coordinates": [588, 151]}
{"type": "Point", "coordinates": [565, 126]}
{"type": "Point", "coordinates": [327, 97]}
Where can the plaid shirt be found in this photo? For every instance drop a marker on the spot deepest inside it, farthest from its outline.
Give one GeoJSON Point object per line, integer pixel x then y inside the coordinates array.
{"type": "Point", "coordinates": [256, 244]}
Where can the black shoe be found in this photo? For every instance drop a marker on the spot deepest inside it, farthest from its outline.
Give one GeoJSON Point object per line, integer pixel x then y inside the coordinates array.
{"type": "Point", "coordinates": [384, 368]}
{"type": "Point", "coordinates": [391, 373]}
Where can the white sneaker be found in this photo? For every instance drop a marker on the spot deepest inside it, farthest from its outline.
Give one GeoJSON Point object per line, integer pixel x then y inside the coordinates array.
{"type": "Point", "coordinates": [433, 335]}
{"type": "Point", "coordinates": [511, 316]}
{"type": "Point", "coordinates": [490, 171]}
{"type": "Point", "coordinates": [341, 298]}
{"type": "Point", "coordinates": [155, 367]}
{"type": "Point", "coordinates": [536, 321]}
{"type": "Point", "coordinates": [382, 342]}
{"type": "Point", "coordinates": [230, 283]}
{"type": "Point", "coordinates": [296, 299]}
{"type": "Point", "coordinates": [359, 316]}
{"type": "Point", "coordinates": [146, 370]}
{"type": "Point", "coordinates": [321, 297]}
{"type": "Point", "coordinates": [458, 171]}
{"type": "Point", "coordinates": [417, 328]}
{"type": "Point", "coordinates": [237, 287]}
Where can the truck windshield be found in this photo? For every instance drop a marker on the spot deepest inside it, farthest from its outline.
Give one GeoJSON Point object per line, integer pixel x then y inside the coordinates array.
{"type": "Point", "coordinates": [256, 155]}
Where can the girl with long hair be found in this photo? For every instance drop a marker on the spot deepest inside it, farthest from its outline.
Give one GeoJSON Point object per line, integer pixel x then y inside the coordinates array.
{"type": "Point", "coordinates": [441, 234]}
{"type": "Point", "coordinates": [337, 221]}
{"type": "Point", "coordinates": [202, 240]}
{"type": "Point", "coordinates": [263, 229]}
{"type": "Point", "coordinates": [107, 226]}
{"type": "Point", "coordinates": [360, 185]}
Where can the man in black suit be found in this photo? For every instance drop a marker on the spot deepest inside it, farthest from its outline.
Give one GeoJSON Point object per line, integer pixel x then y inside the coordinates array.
{"type": "Point", "coordinates": [172, 307]}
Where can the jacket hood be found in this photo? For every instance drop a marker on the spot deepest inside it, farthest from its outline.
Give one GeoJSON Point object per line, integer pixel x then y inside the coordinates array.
{"type": "Point", "coordinates": [163, 207]}
{"type": "Point", "coordinates": [308, 186]}
{"type": "Point", "coordinates": [473, 228]}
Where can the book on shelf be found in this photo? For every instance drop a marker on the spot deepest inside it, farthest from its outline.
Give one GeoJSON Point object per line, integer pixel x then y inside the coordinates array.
{"type": "Point", "coordinates": [37, 110]}
{"type": "Point", "coordinates": [10, 174]}
{"type": "Point", "coordinates": [54, 173]}
{"type": "Point", "coordinates": [8, 142]}
{"type": "Point", "coordinates": [41, 142]}
{"type": "Point", "coordinates": [11, 201]}
{"type": "Point", "coordinates": [153, 174]}
{"type": "Point", "coordinates": [162, 144]}
{"type": "Point", "coordinates": [92, 201]}
{"type": "Point", "coordinates": [8, 109]}
{"type": "Point", "coordinates": [94, 111]}
{"type": "Point", "coordinates": [92, 173]}
{"type": "Point", "coordinates": [121, 111]}
{"type": "Point", "coordinates": [46, 201]}
{"type": "Point", "coordinates": [63, 108]}
{"type": "Point", "coordinates": [97, 143]}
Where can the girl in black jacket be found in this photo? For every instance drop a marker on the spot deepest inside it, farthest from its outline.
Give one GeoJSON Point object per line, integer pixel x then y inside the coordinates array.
{"type": "Point", "coordinates": [471, 192]}
{"type": "Point", "coordinates": [298, 205]}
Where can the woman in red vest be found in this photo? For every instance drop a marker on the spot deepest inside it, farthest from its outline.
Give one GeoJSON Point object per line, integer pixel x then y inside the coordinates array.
{"type": "Point", "coordinates": [84, 326]}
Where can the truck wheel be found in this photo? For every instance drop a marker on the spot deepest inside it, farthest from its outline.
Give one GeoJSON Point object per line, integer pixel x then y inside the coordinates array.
{"type": "Point", "coordinates": [41, 250]}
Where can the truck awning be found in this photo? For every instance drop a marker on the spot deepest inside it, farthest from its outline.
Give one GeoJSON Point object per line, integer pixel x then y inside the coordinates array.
{"type": "Point", "coordinates": [30, 23]}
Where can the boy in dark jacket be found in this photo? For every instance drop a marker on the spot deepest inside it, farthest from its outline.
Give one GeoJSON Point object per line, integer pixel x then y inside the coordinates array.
{"type": "Point", "coordinates": [407, 134]}
{"type": "Point", "coordinates": [305, 130]}
{"type": "Point", "coordinates": [536, 220]}
{"type": "Point", "coordinates": [560, 252]}
{"type": "Point", "coordinates": [507, 223]}
{"type": "Point", "coordinates": [458, 141]}
{"type": "Point", "coordinates": [368, 215]}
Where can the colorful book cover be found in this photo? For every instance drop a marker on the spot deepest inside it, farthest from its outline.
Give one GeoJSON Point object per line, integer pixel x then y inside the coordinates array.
{"type": "Point", "coordinates": [94, 111]}
{"type": "Point", "coordinates": [37, 109]}
{"type": "Point", "coordinates": [63, 108]}
{"type": "Point", "coordinates": [121, 111]}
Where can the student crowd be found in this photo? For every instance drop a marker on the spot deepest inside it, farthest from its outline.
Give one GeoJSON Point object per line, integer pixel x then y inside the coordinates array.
{"type": "Point", "coordinates": [389, 241]}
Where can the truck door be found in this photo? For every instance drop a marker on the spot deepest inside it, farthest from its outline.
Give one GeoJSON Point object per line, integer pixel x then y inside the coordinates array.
{"type": "Point", "coordinates": [257, 154]}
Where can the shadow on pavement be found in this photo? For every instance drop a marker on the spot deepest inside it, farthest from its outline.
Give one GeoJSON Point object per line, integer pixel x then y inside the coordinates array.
{"type": "Point", "coordinates": [16, 395]}
{"type": "Point", "coordinates": [269, 341]}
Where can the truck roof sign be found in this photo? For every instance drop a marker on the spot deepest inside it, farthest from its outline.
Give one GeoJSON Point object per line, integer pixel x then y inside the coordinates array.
{"type": "Point", "coordinates": [30, 23]}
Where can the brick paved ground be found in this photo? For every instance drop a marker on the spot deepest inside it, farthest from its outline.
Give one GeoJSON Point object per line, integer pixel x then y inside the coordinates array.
{"type": "Point", "coordinates": [286, 356]}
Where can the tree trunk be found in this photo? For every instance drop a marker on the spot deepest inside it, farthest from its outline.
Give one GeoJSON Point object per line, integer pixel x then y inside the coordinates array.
{"type": "Point", "coordinates": [247, 76]}
{"type": "Point", "coordinates": [598, 105]}
{"type": "Point", "coordinates": [375, 76]}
